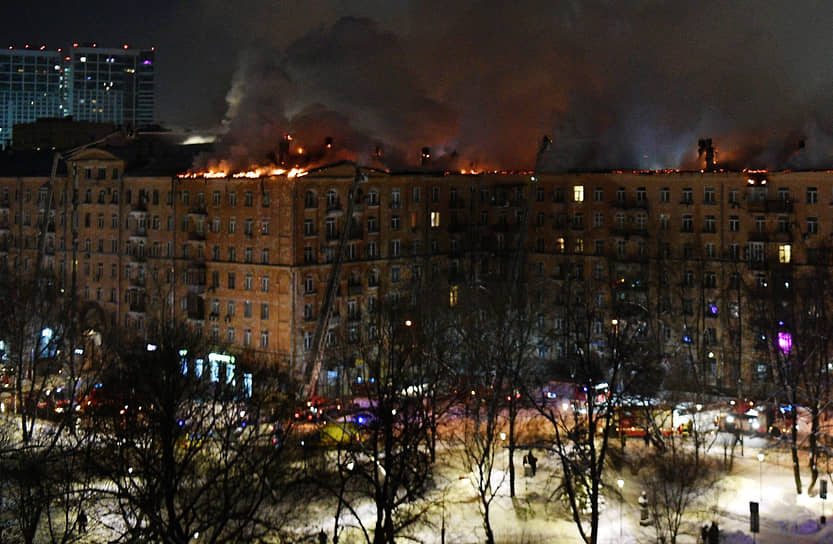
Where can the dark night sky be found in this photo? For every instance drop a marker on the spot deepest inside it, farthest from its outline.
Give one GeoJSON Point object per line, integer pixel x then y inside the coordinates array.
{"type": "Point", "coordinates": [630, 83]}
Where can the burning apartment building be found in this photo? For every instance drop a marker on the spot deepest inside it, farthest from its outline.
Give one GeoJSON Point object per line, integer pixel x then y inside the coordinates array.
{"type": "Point", "coordinates": [252, 259]}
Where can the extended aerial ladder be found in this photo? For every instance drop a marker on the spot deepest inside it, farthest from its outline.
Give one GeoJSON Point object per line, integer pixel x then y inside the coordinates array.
{"type": "Point", "coordinates": [316, 360]}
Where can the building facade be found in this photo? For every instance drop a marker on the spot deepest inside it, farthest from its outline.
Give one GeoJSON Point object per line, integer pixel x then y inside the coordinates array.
{"type": "Point", "coordinates": [89, 83]}
{"type": "Point", "coordinates": [30, 88]}
{"type": "Point", "coordinates": [248, 261]}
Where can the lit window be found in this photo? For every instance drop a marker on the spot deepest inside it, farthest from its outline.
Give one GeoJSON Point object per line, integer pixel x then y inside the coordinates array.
{"type": "Point", "coordinates": [784, 253]}
{"type": "Point", "coordinates": [452, 296]}
{"type": "Point", "coordinates": [435, 219]}
{"type": "Point", "coordinates": [578, 193]}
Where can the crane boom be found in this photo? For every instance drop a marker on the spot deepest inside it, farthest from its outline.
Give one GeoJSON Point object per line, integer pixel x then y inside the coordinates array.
{"type": "Point", "coordinates": [314, 364]}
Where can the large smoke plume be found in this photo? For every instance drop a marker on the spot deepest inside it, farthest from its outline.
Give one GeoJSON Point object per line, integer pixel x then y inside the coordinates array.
{"type": "Point", "coordinates": [615, 84]}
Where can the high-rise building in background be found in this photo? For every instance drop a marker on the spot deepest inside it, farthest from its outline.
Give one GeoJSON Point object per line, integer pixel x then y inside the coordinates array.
{"type": "Point", "coordinates": [88, 83]}
{"type": "Point", "coordinates": [110, 85]}
{"type": "Point", "coordinates": [30, 88]}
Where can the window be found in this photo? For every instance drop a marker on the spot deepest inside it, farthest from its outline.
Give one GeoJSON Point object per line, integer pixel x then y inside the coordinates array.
{"type": "Point", "coordinates": [598, 219]}
{"type": "Point", "coordinates": [708, 195]}
{"type": "Point", "coordinates": [416, 194]}
{"type": "Point", "coordinates": [394, 274]}
{"type": "Point", "coordinates": [249, 199]}
{"type": "Point", "coordinates": [264, 284]}
{"type": "Point", "coordinates": [332, 199]}
{"type": "Point", "coordinates": [373, 198]}
{"type": "Point", "coordinates": [709, 280]}
{"type": "Point", "coordinates": [598, 248]}
{"type": "Point", "coordinates": [709, 224]}
{"type": "Point", "coordinates": [372, 252]}
{"type": "Point", "coordinates": [435, 194]}
{"type": "Point", "coordinates": [395, 198]}
{"type": "Point", "coordinates": [711, 250]}
{"type": "Point", "coordinates": [734, 223]}
{"type": "Point", "coordinates": [248, 283]}
{"type": "Point", "coordinates": [687, 224]}
{"type": "Point", "coordinates": [264, 226]}
{"type": "Point", "coordinates": [230, 308]}
{"type": "Point", "coordinates": [756, 252]}
{"type": "Point", "coordinates": [784, 253]}
{"type": "Point", "coordinates": [249, 252]}
{"type": "Point", "coordinates": [620, 220]}
{"type": "Point", "coordinates": [215, 198]}
{"type": "Point", "coordinates": [641, 194]}
{"type": "Point", "coordinates": [665, 194]}
{"type": "Point", "coordinates": [231, 280]}
{"type": "Point", "coordinates": [247, 309]}
{"type": "Point", "coordinates": [812, 225]}
{"type": "Point", "coordinates": [248, 227]}
{"type": "Point", "coordinates": [309, 285]}
{"type": "Point", "coordinates": [309, 200]}
{"type": "Point", "coordinates": [330, 226]}
{"type": "Point", "coordinates": [264, 339]}
{"type": "Point", "coordinates": [641, 221]}
{"type": "Point", "coordinates": [230, 335]}
{"type": "Point", "coordinates": [783, 223]}
{"type": "Point", "coordinates": [308, 256]}
{"type": "Point", "coordinates": [578, 221]}
{"type": "Point", "coordinates": [435, 219]}
{"type": "Point", "coordinates": [812, 195]}
{"type": "Point", "coordinates": [394, 248]}
{"type": "Point", "coordinates": [539, 194]}
{"type": "Point", "coordinates": [760, 224]}
{"type": "Point", "coordinates": [578, 193]}
{"type": "Point", "coordinates": [687, 196]}
{"type": "Point", "coordinates": [783, 194]}
{"type": "Point", "coordinates": [598, 194]}
{"type": "Point", "coordinates": [620, 194]}
{"type": "Point", "coordinates": [232, 225]}
{"type": "Point", "coordinates": [232, 254]}
{"type": "Point", "coordinates": [664, 221]}
{"type": "Point", "coordinates": [734, 196]}
{"type": "Point", "coordinates": [232, 198]}
{"type": "Point", "coordinates": [394, 222]}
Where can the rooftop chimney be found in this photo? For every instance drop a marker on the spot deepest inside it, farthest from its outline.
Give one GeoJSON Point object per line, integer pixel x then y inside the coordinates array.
{"type": "Point", "coordinates": [704, 147]}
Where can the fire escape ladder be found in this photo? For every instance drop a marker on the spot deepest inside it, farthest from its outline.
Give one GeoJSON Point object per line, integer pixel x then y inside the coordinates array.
{"type": "Point", "coordinates": [317, 355]}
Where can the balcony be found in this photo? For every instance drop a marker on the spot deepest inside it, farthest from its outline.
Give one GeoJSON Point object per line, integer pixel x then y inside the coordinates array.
{"type": "Point", "coordinates": [139, 232]}
{"type": "Point", "coordinates": [770, 206]}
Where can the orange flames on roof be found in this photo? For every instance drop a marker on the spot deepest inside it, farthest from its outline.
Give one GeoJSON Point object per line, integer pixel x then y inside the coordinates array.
{"type": "Point", "coordinates": [249, 174]}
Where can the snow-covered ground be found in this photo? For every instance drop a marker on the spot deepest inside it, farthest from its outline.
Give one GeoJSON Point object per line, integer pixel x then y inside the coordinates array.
{"type": "Point", "coordinates": [533, 518]}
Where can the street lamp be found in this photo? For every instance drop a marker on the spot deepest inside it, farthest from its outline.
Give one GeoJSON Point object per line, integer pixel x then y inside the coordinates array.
{"type": "Point", "coordinates": [621, 483]}
{"type": "Point", "coordinates": [761, 476]}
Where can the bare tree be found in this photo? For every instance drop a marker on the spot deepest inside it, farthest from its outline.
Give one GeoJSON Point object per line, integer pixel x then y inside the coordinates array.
{"type": "Point", "coordinates": [675, 480]}
{"type": "Point", "coordinates": [186, 450]}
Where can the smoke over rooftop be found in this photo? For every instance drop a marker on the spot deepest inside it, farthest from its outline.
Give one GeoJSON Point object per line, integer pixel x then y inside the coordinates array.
{"type": "Point", "coordinates": [615, 84]}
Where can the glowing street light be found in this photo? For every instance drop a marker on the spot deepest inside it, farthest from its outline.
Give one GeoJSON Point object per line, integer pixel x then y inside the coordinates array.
{"type": "Point", "coordinates": [761, 476]}
{"type": "Point", "coordinates": [621, 483]}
